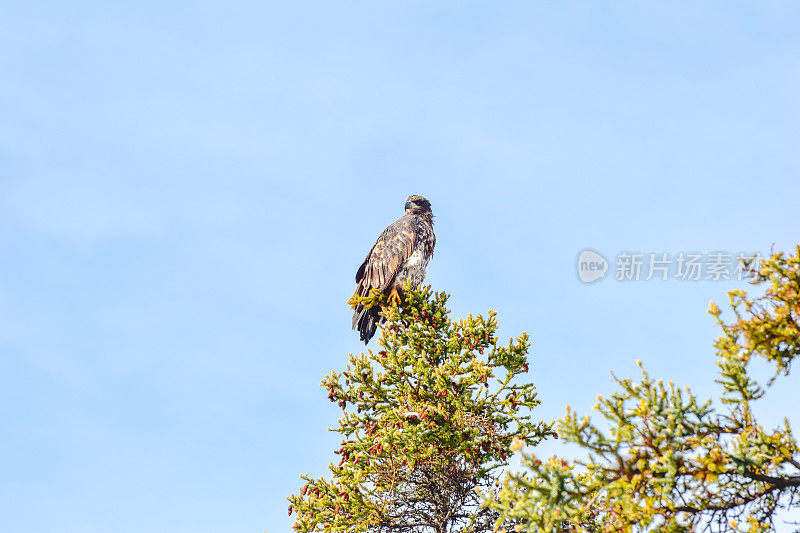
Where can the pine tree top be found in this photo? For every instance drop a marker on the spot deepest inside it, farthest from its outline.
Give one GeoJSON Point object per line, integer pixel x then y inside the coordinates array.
{"type": "Point", "coordinates": [426, 420]}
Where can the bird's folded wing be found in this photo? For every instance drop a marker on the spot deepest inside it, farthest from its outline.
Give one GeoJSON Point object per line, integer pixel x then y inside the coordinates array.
{"type": "Point", "coordinates": [384, 261]}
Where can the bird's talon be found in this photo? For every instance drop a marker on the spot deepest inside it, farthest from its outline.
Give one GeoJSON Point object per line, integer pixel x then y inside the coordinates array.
{"type": "Point", "coordinates": [394, 298]}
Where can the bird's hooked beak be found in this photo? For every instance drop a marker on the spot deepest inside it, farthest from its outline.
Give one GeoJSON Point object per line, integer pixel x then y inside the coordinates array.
{"type": "Point", "coordinates": [409, 205]}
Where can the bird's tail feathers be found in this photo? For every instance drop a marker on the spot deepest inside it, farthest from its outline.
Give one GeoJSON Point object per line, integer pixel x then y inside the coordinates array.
{"type": "Point", "coordinates": [366, 321]}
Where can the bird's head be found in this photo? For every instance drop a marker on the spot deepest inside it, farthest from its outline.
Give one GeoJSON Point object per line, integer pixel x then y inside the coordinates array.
{"type": "Point", "coordinates": [417, 205]}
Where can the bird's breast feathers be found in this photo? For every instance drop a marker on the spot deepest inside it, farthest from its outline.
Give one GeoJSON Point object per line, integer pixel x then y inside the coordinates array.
{"type": "Point", "coordinates": [417, 259]}
{"type": "Point", "coordinates": [413, 269]}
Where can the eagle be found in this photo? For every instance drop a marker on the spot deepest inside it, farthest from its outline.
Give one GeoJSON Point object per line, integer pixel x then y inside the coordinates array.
{"type": "Point", "coordinates": [401, 253]}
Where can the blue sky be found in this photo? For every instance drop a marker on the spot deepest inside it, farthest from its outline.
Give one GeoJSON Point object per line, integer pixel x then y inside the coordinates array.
{"type": "Point", "coordinates": [187, 189]}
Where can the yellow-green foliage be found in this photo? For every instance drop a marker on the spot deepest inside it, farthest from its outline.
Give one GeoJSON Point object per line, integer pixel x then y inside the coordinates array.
{"type": "Point", "coordinates": [671, 462]}
{"type": "Point", "coordinates": [426, 421]}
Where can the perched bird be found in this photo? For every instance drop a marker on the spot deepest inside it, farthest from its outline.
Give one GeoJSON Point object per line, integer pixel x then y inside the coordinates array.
{"type": "Point", "coordinates": [401, 253]}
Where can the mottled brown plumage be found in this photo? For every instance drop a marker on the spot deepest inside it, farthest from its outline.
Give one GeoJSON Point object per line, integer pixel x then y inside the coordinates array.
{"type": "Point", "coordinates": [401, 253]}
